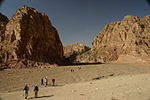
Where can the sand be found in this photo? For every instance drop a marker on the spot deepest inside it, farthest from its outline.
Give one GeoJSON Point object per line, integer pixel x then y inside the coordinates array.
{"type": "Point", "coordinates": [87, 82]}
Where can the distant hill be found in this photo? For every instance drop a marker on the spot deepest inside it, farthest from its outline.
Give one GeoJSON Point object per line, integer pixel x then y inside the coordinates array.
{"type": "Point", "coordinates": [73, 50]}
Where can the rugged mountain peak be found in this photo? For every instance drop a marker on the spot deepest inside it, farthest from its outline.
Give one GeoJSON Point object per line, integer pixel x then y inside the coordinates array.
{"type": "Point", "coordinates": [26, 9]}
{"type": "Point", "coordinates": [30, 35]}
{"type": "Point", "coordinates": [128, 37]}
{"type": "Point", "coordinates": [131, 18]}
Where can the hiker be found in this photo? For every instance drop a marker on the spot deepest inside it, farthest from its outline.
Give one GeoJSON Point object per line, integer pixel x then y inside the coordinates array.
{"type": "Point", "coordinates": [53, 81]}
{"type": "Point", "coordinates": [26, 89]}
{"type": "Point", "coordinates": [36, 89]}
{"type": "Point", "coordinates": [72, 70]}
{"type": "Point", "coordinates": [42, 81]}
{"type": "Point", "coordinates": [46, 81]}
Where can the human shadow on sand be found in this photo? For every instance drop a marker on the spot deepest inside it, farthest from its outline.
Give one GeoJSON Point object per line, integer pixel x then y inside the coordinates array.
{"type": "Point", "coordinates": [96, 63]}
{"type": "Point", "coordinates": [56, 85]}
{"type": "Point", "coordinates": [41, 97]}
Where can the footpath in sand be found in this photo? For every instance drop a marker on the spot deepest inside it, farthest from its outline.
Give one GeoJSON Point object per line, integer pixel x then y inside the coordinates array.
{"type": "Point", "coordinates": [126, 87]}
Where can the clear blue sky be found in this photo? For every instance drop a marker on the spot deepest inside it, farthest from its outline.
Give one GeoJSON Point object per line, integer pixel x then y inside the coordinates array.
{"type": "Point", "coordinates": [80, 20]}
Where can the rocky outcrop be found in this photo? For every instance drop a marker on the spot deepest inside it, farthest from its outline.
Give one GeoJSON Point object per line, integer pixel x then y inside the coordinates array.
{"type": "Point", "coordinates": [86, 57]}
{"type": "Point", "coordinates": [73, 50]}
{"type": "Point", "coordinates": [131, 36]}
{"type": "Point", "coordinates": [30, 37]}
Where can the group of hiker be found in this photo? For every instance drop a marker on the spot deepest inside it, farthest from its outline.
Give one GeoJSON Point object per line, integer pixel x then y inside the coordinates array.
{"type": "Point", "coordinates": [26, 90]}
{"type": "Point", "coordinates": [44, 81]}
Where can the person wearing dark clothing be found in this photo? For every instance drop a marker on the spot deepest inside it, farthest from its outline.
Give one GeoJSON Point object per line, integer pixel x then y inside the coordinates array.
{"type": "Point", "coordinates": [26, 89]}
{"type": "Point", "coordinates": [36, 89]}
{"type": "Point", "coordinates": [42, 81]}
{"type": "Point", "coordinates": [53, 81]}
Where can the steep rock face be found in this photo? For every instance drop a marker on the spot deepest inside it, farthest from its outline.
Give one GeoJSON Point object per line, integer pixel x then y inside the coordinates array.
{"type": "Point", "coordinates": [131, 36]}
{"type": "Point", "coordinates": [3, 21]}
{"type": "Point", "coordinates": [30, 35]}
{"type": "Point", "coordinates": [73, 50]}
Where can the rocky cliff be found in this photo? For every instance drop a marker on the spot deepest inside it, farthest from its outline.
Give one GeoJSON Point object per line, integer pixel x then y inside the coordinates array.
{"type": "Point", "coordinates": [3, 21]}
{"type": "Point", "coordinates": [30, 37]}
{"type": "Point", "coordinates": [131, 36]}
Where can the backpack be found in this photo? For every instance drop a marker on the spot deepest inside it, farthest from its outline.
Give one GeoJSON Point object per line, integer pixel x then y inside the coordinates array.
{"type": "Point", "coordinates": [53, 80]}
{"type": "Point", "coordinates": [26, 88]}
{"type": "Point", "coordinates": [36, 88]}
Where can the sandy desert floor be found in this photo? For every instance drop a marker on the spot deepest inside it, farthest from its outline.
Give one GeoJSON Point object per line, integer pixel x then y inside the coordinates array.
{"type": "Point", "coordinates": [87, 82]}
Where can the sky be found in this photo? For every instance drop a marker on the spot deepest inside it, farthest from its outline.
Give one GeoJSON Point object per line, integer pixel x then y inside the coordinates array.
{"type": "Point", "coordinates": [80, 20]}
